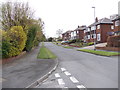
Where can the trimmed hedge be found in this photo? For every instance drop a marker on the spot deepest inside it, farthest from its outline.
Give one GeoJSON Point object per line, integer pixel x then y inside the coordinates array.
{"type": "Point", "coordinates": [113, 41]}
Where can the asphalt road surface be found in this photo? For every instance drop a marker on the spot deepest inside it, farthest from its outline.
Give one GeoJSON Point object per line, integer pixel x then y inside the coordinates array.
{"type": "Point", "coordinates": [81, 70]}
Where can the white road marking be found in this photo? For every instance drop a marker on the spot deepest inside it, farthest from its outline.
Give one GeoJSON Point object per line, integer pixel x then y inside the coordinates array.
{"type": "Point", "coordinates": [65, 87]}
{"type": "Point", "coordinates": [67, 73]}
{"type": "Point", "coordinates": [61, 82]}
{"type": "Point", "coordinates": [63, 69]}
{"type": "Point", "coordinates": [80, 86]}
{"type": "Point", "coordinates": [74, 80]}
{"type": "Point", "coordinates": [57, 75]}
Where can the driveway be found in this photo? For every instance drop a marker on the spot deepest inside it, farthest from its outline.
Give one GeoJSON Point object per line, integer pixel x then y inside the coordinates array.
{"type": "Point", "coordinates": [77, 69]}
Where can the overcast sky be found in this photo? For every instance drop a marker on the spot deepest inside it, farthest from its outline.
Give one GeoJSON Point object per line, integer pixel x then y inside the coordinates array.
{"type": "Point", "coordinates": [68, 14]}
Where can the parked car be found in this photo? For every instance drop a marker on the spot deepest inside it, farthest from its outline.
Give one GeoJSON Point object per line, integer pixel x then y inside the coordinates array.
{"type": "Point", "coordinates": [64, 42]}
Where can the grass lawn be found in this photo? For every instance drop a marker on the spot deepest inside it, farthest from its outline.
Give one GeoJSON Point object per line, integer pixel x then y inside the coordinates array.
{"type": "Point", "coordinates": [103, 53]}
{"type": "Point", "coordinates": [45, 53]}
{"type": "Point", "coordinates": [68, 47]}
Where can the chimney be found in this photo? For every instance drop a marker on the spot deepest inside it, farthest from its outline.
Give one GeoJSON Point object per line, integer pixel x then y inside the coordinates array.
{"type": "Point", "coordinates": [96, 19]}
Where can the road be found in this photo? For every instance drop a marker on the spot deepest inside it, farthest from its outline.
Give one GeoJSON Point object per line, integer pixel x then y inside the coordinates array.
{"type": "Point", "coordinates": [79, 69]}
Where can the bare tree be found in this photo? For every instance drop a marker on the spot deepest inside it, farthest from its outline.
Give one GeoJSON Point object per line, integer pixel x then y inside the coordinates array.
{"type": "Point", "coordinates": [15, 14]}
{"type": "Point", "coordinates": [59, 32]}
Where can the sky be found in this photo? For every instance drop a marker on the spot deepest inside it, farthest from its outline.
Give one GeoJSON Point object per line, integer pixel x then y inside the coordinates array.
{"type": "Point", "coordinates": [68, 14]}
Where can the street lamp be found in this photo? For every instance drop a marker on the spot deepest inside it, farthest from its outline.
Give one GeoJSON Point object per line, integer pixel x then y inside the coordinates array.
{"type": "Point", "coordinates": [95, 28]}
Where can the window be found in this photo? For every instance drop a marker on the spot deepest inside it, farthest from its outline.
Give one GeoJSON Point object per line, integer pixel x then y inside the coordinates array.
{"type": "Point", "coordinates": [98, 26]}
{"type": "Point", "coordinates": [93, 28]}
{"type": "Point", "coordinates": [94, 35]}
{"type": "Point", "coordinates": [88, 29]}
{"type": "Point", "coordinates": [112, 27]}
{"type": "Point", "coordinates": [117, 23]}
{"type": "Point", "coordinates": [84, 31]}
{"type": "Point", "coordinates": [98, 37]}
{"type": "Point", "coordinates": [88, 36]}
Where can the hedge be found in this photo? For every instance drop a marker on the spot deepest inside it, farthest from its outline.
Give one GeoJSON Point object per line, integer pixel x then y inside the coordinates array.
{"type": "Point", "coordinates": [113, 41]}
{"type": "Point", "coordinates": [13, 42]}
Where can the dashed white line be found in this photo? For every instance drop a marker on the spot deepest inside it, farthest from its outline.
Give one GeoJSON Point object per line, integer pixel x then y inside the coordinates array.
{"type": "Point", "coordinates": [74, 80]}
{"type": "Point", "coordinates": [63, 69]}
{"type": "Point", "coordinates": [80, 86]}
{"type": "Point", "coordinates": [61, 82]}
{"type": "Point", "coordinates": [57, 75]}
{"type": "Point", "coordinates": [67, 73]}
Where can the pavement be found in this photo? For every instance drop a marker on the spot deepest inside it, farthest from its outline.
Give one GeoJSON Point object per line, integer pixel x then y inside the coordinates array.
{"type": "Point", "coordinates": [92, 46]}
{"type": "Point", "coordinates": [78, 69]}
{"type": "Point", "coordinates": [26, 70]}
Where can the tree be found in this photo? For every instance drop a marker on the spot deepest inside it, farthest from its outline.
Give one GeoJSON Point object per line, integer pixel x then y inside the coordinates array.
{"type": "Point", "coordinates": [59, 32]}
{"type": "Point", "coordinates": [50, 39]}
{"type": "Point", "coordinates": [31, 37]}
{"type": "Point", "coordinates": [15, 14]}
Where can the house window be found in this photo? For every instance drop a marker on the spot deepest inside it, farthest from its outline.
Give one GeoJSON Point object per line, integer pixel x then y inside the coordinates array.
{"type": "Point", "coordinates": [117, 23]}
{"type": "Point", "coordinates": [88, 29]}
{"type": "Point", "coordinates": [88, 36]}
{"type": "Point", "coordinates": [112, 27]}
{"type": "Point", "coordinates": [98, 37]}
{"type": "Point", "coordinates": [85, 30]}
{"type": "Point", "coordinates": [94, 35]}
{"type": "Point", "coordinates": [98, 26]}
{"type": "Point", "coordinates": [93, 28]}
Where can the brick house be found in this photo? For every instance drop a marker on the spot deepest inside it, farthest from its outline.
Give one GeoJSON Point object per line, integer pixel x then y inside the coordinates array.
{"type": "Point", "coordinates": [98, 31]}
{"type": "Point", "coordinates": [116, 24]}
{"type": "Point", "coordinates": [66, 36]}
{"type": "Point", "coordinates": [80, 32]}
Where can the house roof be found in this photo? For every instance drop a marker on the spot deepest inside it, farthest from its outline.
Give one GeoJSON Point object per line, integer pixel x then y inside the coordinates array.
{"type": "Point", "coordinates": [102, 21]}
{"type": "Point", "coordinates": [67, 32]}
{"type": "Point", "coordinates": [81, 28]}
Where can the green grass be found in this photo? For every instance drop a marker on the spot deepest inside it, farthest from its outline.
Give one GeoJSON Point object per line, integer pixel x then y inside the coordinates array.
{"type": "Point", "coordinates": [68, 47]}
{"type": "Point", "coordinates": [45, 53]}
{"type": "Point", "coordinates": [102, 53]}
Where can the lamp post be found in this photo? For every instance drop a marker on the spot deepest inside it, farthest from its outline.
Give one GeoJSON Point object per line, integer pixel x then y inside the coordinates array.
{"type": "Point", "coordinates": [95, 29]}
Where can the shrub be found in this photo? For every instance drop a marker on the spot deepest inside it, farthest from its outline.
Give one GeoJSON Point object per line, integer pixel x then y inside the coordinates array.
{"type": "Point", "coordinates": [14, 42]}
{"type": "Point", "coordinates": [113, 41]}
{"type": "Point", "coordinates": [30, 38]}
{"type": "Point", "coordinates": [91, 43]}
{"type": "Point", "coordinates": [5, 48]}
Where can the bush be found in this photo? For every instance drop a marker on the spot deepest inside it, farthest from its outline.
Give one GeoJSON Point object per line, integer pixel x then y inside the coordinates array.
{"type": "Point", "coordinates": [31, 37]}
{"type": "Point", "coordinates": [91, 43]}
{"type": "Point", "coordinates": [6, 45]}
{"type": "Point", "coordinates": [13, 42]}
{"type": "Point", "coordinates": [113, 41]}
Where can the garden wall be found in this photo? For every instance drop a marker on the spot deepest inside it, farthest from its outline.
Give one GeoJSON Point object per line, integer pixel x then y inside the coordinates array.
{"type": "Point", "coordinates": [8, 60]}
{"type": "Point", "coordinates": [109, 48]}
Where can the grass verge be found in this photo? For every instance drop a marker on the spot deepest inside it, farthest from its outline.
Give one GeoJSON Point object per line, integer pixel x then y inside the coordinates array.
{"type": "Point", "coordinates": [68, 47]}
{"type": "Point", "coordinates": [102, 53]}
{"type": "Point", "coordinates": [45, 53]}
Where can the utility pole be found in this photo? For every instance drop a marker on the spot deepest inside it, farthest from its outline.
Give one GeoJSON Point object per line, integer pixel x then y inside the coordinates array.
{"type": "Point", "coordinates": [94, 30]}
